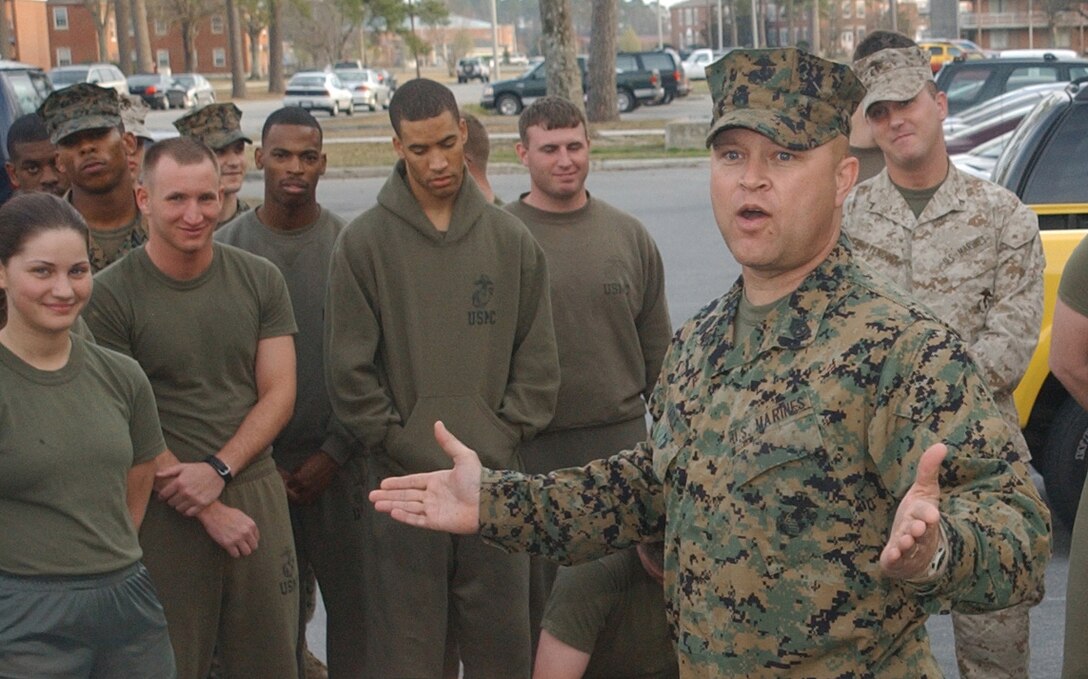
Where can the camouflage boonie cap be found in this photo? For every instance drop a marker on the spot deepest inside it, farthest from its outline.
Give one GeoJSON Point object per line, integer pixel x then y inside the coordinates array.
{"type": "Point", "coordinates": [217, 125]}
{"type": "Point", "coordinates": [796, 99]}
{"type": "Point", "coordinates": [133, 114]}
{"type": "Point", "coordinates": [82, 106]}
{"type": "Point", "coordinates": [893, 74]}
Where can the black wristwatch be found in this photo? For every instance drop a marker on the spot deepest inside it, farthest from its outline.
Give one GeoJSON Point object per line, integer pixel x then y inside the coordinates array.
{"type": "Point", "coordinates": [220, 467]}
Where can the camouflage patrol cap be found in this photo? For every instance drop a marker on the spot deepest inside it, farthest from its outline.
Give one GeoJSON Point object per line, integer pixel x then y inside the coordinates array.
{"type": "Point", "coordinates": [796, 99]}
{"type": "Point", "coordinates": [82, 106]}
{"type": "Point", "coordinates": [133, 114]}
{"type": "Point", "coordinates": [217, 125]}
{"type": "Point", "coordinates": [893, 74]}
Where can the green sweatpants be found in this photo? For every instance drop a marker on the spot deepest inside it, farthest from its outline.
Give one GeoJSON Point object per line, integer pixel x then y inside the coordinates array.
{"type": "Point", "coordinates": [1075, 659]}
{"type": "Point", "coordinates": [247, 606]}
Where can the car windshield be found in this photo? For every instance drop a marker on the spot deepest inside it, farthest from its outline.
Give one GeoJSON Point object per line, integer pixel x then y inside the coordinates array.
{"type": "Point", "coordinates": [144, 79]}
{"type": "Point", "coordinates": [185, 80]}
{"type": "Point", "coordinates": [68, 76]}
{"type": "Point", "coordinates": [352, 76]}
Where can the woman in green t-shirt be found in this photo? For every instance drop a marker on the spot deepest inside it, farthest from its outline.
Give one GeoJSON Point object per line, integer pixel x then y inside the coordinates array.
{"type": "Point", "coordinates": [79, 434]}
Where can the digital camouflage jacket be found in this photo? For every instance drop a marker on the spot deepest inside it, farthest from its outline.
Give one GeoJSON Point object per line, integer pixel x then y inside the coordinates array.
{"type": "Point", "coordinates": [773, 472]}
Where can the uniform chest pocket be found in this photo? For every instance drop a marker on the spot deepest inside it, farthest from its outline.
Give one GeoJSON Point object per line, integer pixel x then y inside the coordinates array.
{"type": "Point", "coordinates": [772, 442]}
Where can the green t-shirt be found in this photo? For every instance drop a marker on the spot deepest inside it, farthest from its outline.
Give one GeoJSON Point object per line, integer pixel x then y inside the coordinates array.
{"type": "Point", "coordinates": [750, 316]}
{"type": "Point", "coordinates": [613, 610]}
{"type": "Point", "coordinates": [68, 438]}
{"type": "Point", "coordinates": [195, 339]}
{"type": "Point", "coordinates": [1073, 289]}
{"type": "Point", "coordinates": [917, 199]}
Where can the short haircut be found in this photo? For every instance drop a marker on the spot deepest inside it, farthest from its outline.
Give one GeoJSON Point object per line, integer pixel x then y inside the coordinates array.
{"type": "Point", "coordinates": [182, 150]}
{"type": "Point", "coordinates": [550, 113]}
{"type": "Point", "coordinates": [292, 115]}
{"type": "Point", "coordinates": [25, 216]}
{"type": "Point", "coordinates": [421, 99]}
{"type": "Point", "coordinates": [478, 146]}
{"type": "Point", "coordinates": [26, 129]}
{"type": "Point", "coordinates": [881, 40]}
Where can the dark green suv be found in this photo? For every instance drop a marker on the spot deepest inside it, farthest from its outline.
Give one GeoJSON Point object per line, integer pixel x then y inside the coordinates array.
{"type": "Point", "coordinates": [509, 97]}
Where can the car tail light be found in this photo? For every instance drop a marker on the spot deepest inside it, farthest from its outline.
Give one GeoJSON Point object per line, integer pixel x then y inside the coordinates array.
{"type": "Point", "coordinates": [653, 79]}
{"type": "Point", "coordinates": [362, 88]}
{"type": "Point", "coordinates": [150, 89]}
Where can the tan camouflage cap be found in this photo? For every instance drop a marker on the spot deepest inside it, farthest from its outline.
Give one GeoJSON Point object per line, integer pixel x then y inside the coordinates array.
{"type": "Point", "coordinates": [133, 114]}
{"type": "Point", "coordinates": [893, 74]}
{"type": "Point", "coordinates": [796, 99]}
{"type": "Point", "coordinates": [82, 106]}
{"type": "Point", "coordinates": [217, 125]}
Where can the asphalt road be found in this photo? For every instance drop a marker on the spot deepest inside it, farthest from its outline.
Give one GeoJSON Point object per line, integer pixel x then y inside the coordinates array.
{"type": "Point", "coordinates": [673, 204]}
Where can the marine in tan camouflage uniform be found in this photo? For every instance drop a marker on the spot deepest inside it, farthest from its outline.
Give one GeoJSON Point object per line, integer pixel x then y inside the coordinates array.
{"type": "Point", "coordinates": [811, 517]}
{"type": "Point", "coordinates": [219, 127]}
{"type": "Point", "coordinates": [967, 249]}
{"type": "Point", "coordinates": [93, 150]}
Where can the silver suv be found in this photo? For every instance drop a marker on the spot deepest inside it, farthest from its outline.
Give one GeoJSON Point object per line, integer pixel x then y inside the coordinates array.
{"type": "Point", "coordinates": [473, 68]}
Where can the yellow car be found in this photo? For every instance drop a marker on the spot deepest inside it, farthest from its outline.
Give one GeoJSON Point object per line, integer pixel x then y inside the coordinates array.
{"type": "Point", "coordinates": [1045, 163]}
{"type": "Point", "coordinates": [943, 51]}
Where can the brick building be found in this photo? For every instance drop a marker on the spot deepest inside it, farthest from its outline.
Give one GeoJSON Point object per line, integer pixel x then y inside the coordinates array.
{"type": "Point", "coordinates": [73, 40]}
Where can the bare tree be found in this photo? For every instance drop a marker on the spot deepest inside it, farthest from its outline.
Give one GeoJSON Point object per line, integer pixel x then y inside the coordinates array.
{"type": "Point", "coordinates": [123, 14]}
{"type": "Point", "coordinates": [234, 46]}
{"type": "Point", "coordinates": [100, 12]}
{"type": "Point", "coordinates": [560, 51]}
{"type": "Point", "coordinates": [602, 62]}
{"type": "Point", "coordinates": [255, 20]}
{"type": "Point", "coordinates": [187, 14]}
{"type": "Point", "coordinates": [276, 81]}
{"type": "Point", "coordinates": [144, 62]}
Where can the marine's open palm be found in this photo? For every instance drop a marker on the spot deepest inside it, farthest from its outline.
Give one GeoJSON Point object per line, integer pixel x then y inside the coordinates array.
{"type": "Point", "coordinates": [447, 500]}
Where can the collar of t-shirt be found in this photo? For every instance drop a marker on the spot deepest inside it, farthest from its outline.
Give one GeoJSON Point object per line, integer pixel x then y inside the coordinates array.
{"type": "Point", "coordinates": [918, 199]}
{"type": "Point", "coordinates": [750, 316]}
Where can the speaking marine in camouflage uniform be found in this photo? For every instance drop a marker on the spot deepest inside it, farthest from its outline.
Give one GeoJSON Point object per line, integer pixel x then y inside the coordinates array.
{"type": "Point", "coordinates": [93, 150]}
{"type": "Point", "coordinates": [825, 465]}
{"type": "Point", "coordinates": [219, 126]}
{"type": "Point", "coordinates": [966, 248]}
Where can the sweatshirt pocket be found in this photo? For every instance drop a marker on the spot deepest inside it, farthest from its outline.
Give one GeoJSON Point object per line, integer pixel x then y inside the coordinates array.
{"type": "Point", "coordinates": [468, 418]}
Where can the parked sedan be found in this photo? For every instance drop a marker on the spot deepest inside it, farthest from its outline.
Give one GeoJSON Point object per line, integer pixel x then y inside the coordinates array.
{"type": "Point", "coordinates": [151, 87]}
{"type": "Point", "coordinates": [318, 90]}
{"type": "Point", "coordinates": [189, 90]}
{"type": "Point", "coordinates": [103, 75]}
{"type": "Point", "coordinates": [366, 88]}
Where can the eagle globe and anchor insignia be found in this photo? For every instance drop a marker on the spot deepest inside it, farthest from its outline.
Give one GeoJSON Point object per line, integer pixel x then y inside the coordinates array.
{"type": "Point", "coordinates": [483, 291]}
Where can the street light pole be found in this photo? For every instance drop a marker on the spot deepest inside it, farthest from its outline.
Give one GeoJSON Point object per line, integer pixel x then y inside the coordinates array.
{"type": "Point", "coordinates": [1031, 26]}
{"type": "Point", "coordinates": [495, 70]}
{"type": "Point", "coordinates": [660, 30]}
{"type": "Point", "coordinates": [721, 39]}
{"type": "Point", "coordinates": [755, 26]}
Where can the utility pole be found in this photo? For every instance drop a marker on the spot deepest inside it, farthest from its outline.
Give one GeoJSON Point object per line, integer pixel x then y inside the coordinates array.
{"type": "Point", "coordinates": [660, 29]}
{"type": "Point", "coordinates": [755, 26]}
{"type": "Point", "coordinates": [721, 38]}
{"type": "Point", "coordinates": [495, 70]}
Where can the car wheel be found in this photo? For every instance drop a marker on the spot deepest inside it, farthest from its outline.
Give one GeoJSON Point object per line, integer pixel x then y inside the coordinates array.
{"type": "Point", "coordinates": [625, 101]}
{"type": "Point", "coordinates": [460, 80]}
{"type": "Point", "coordinates": [508, 105]}
{"type": "Point", "coordinates": [335, 110]}
{"type": "Point", "coordinates": [1066, 455]}
{"type": "Point", "coordinates": [351, 108]}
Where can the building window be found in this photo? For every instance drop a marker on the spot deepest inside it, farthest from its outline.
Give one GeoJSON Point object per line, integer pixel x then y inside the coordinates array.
{"type": "Point", "coordinates": [999, 40]}
{"type": "Point", "coordinates": [217, 24]}
{"type": "Point", "coordinates": [60, 18]}
{"type": "Point", "coordinates": [64, 56]}
{"type": "Point", "coordinates": [860, 10]}
{"type": "Point", "coordinates": [847, 8]}
{"type": "Point", "coordinates": [162, 60]}
{"type": "Point", "coordinates": [219, 57]}
{"type": "Point", "coordinates": [160, 27]}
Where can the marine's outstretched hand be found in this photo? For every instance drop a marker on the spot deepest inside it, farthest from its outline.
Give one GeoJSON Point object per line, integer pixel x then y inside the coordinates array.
{"type": "Point", "coordinates": [446, 500]}
{"type": "Point", "coordinates": [916, 530]}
